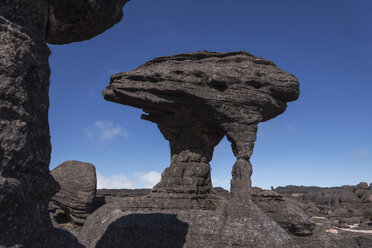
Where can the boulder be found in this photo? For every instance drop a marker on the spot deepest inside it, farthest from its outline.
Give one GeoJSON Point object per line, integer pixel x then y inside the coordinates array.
{"type": "Point", "coordinates": [283, 211]}
{"type": "Point", "coordinates": [348, 196]}
{"type": "Point", "coordinates": [78, 185]}
{"type": "Point", "coordinates": [360, 189]}
{"type": "Point", "coordinates": [25, 181]}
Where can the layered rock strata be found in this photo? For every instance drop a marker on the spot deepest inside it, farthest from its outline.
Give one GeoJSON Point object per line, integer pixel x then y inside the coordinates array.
{"type": "Point", "coordinates": [131, 222]}
{"type": "Point", "coordinates": [25, 182]}
{"type": "Point", "coordinates": [343, 206]}
{"type": "Point", "coordinates": [78, 185]}
{"type": "Point", "coordinates": [284, 211]}
{"type": "Point", "coordinates": [198, 98]}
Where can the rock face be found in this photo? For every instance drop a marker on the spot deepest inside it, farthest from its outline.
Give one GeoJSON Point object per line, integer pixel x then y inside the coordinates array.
{"type": "Point", "coordinates": [78, 185]}
{"type": "Point", "coordinates": [79, 20]}
{"type": "Point", "coordinates": [283, 211]}
{"type": "Point", "coordinates": [131, 223]}
{"type": "Point", "coordinates": [25, 182]}
{"type": "Point", "coordinates": [196, 99]}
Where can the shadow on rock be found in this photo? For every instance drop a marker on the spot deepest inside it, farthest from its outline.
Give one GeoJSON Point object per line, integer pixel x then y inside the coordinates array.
{"type": "Point", "coordinates": [145, 230]}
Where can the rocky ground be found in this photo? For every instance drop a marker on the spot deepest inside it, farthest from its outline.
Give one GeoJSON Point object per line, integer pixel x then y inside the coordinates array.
{"type": "Point", "coordinates": [292, 210]}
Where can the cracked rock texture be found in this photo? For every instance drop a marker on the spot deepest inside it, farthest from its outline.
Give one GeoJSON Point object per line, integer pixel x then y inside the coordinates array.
{"type": "Point", "coordinates": [129, 222]}
{"type": "Point", "coordinates": [25, 182]}
{"type": "Point", "coordinates": [198, 98]}
{"type": "Point", "coordinates": [283, 211]}
{"type": "Point", "coordinates": [78, 185]}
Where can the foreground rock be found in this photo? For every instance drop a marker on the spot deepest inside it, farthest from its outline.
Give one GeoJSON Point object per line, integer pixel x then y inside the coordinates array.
{"type": "Point", "coordinates": [25, 182]}
{"type": "Point", "coordinates": [134, 222]}
{"type": "Point", "coordinates": [129, 220]}
{"type": "Point", "coordinates": [198, 98]}
{"type": "Point", "coordinates": [78, 185]}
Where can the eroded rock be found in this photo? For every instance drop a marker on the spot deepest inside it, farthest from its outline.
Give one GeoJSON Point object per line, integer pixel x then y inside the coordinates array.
{"type": "Point", "coordinates": [25, 182]}
{"type": "Point", "coordinates": [198, 98]}
{"type": "Point", "coordinates": [135, 223]}
{"type": "Point", "coordinates": [78, 185]}
{"type": "Point", "coordinates": [79, 20]}
{"type": "Point", "coordinates": [283, 211]}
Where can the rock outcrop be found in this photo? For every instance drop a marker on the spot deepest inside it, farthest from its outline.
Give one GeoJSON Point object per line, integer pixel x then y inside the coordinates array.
{"type": "Point", "coordinates": [131, 222]}
{"type": "Point", "coordinates": [283, 211]}
{"type": "Point", "coordinates": [198, 98]}
{"type": "Point", "coordinates": [78, 185]}
{"type": "Point", "coordinates": [25, 182]}
{"type": "Point", "coordinates": [344, 205]}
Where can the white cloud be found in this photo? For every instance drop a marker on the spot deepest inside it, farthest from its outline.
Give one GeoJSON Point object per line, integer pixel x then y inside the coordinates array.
{"type": "Point", "coordinates": [103, 131]}
{"type": "Point", "coordinates": [362, 153]}
{"type": "Point", "coordinates": [113, 182]}
{"type": "Point", "coordinates": [139, 180]}
{"type": "Point", "coordinates": [149, 179]}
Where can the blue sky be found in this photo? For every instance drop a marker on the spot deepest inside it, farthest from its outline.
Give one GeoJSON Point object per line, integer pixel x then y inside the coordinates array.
{"type": "Point", "coordinates": [324, 138]}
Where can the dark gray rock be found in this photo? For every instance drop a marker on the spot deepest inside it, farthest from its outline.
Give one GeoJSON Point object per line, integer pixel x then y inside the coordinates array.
{"type": "Point", "coordinates": [25, 182]}
{"type": "Point", "coordinates": [198, 98]}
{"type": "Point", "coordinates": [283, 211]}
{"type": "Point", "coordinates": [361, 185]}
{"type": "Point", "coordinates": [79, 20]}
{"type": "Point", "coordinates": [78, 185]}
{"type": "Point", "coordinates": [322, 238]}
{"type": "Point", "coordinates": [129, 223]}
{"type": "Point", "coordinates": [350, 220]}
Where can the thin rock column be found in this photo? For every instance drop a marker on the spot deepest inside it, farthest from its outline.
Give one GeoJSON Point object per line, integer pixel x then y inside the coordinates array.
{"type": "Point", "coordinates": [242, 138]}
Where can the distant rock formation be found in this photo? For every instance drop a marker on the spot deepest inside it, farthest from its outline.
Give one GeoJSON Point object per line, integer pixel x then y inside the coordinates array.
{"type": "Point", "coordinates": [198, 98]}
{"type": "Point", "coordinates": [25, 182]}
{"type": "Point", "coordinates": [78, 185]}
{"type": "Point", "coordinates": [344, 205]}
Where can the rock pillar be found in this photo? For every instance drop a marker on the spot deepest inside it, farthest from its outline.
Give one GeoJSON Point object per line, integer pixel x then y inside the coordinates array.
{"type": "Point", "coordinates": [192, 144]}
{"type": "Point", "coordinates": [25, 182]}
{"type": "Point", "coordinates": [242, 138]}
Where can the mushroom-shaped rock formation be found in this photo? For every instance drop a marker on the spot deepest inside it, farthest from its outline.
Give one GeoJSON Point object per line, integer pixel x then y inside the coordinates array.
{"type": "Point", "coordinates": [79, 20]}
{"type": "Point", "coordinates": [25, 181]}
{"type": "Point", "coordinates": [78, 186]}
{"type": "Point", "coordinates": [198, 98]}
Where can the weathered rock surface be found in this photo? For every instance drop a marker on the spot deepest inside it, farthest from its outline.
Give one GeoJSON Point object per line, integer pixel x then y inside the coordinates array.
{"type": "Point", "coordinates": [283, 211]}
{"type": "Point", "coordinates": [78, 185]}
{"type": "Point", "coordinates": [198, 98]}
{"type": "Point", "coordinates": [132, 222]}
{"type": "Point", "coordinates": [129, 220]}
{"type": "Point", "coordinates": [25, 182]}
{"type": "Point", "coordinates": [79, 20]}
{"type": "Point", "coordinates": [345, 205]}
